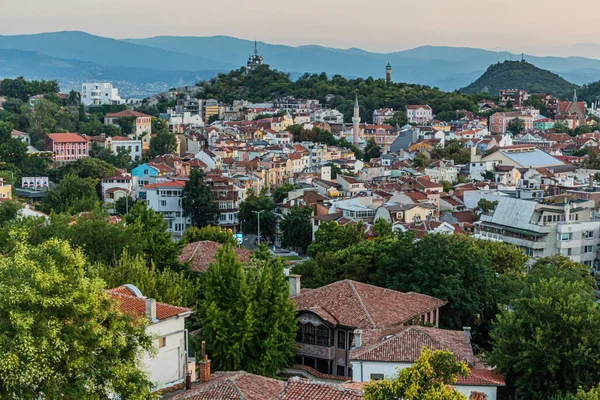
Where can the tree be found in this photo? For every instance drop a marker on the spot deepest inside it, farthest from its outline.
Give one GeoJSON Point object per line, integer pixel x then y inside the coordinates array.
{"type": "Point", "coordinates": [86, 168]}
{"type": "Point", "coordinates": [559, 127]}
{"type": "Point", "coordinates": [167, 286]}
{"type": "Point", "coordinates": [123, 204]}
{"type": "Point", "coordinates": [516, 125]}
{"type": "Point", "coordinates": [484, 206]}
{"type": "Point", "coordinates": [163, 143]}
{"type": "Point", "coordinates": [197, 201]}
{"type": "Point", "coordinates": [5, 130]}
{"type": "Point", "coordinates": [420, 160]}
{"type": "Point", "coordinates": [547, 344]}
{"type": "Point", "coordinates": [9, 210]}
{"type": "Point", "coordinates": [248, 321]}
{"type": "Point", "coordinates": [489, 176]}
{"type": "Point", "coordinates": [60, 334]}
{"type": "Point", "coordinates": [372, 150]}
{"type": "Point", "coordinates": [332, 237]}
{"type": "Point", "coordinates": [427, 379]}
{"type": "Point", "coordinates": [297, 228]}
{"type": "Point", "coordinates": [157, 244]}
{"type": "Point", "coordinates": [282, 191]}
{"type": "Point", "coordinates": [212, 233]}
{"type": "Point", "coordinates": [73, 195]}
{"type": "Point", "coordinates": [249, 217]}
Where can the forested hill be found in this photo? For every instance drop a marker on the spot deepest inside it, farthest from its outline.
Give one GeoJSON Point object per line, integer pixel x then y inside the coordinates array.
{"type": "Point", "coordinates": [519, 75]}
{"type": "Point", "coordinates": [589, 92]}
{"type": "Point", "coordinates": [337, 92]}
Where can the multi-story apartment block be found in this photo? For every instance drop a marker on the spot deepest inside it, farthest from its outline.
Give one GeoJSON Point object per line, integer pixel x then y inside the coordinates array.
{"type": "Point", "coordinates": [382, 115]}
{"type": "Point", "coordinates": [227, 197]}
{"type": "Point", "coordinates": [515, 97]}
{"type": "Point", "coordinates": [67, 147]}
{"type": "Point", "coordinates": [165, 198]}
{"type": "Point", "coordinates": [560, 224]}
{"type": "Point", "coordinates": [98, 94]}
{"type": "Point", "coordinates": [142, 124]}
{"type": "Point", "coordinates": [499, 121]}
{"type": "Point", "coordinates": [133, 146]}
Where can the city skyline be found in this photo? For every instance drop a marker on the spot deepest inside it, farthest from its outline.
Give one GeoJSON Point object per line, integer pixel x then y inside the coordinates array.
{"type": "Point", "coordinates": [401, 27]}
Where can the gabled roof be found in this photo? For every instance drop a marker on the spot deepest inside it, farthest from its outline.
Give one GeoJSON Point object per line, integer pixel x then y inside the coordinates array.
{"type": "Point", "coordinates": [203, 253]}
{"type": "Point", "coordinates": [407, 344]}
{"type": "Point", "coordinates": [172, 184]}
{"type": "Point", "coordinates": [304, 389]}
{"type": "Point", "coordinates": [134, 305]}
{"type": "Point", "coordinates": [126, 113]}
{"type": "Point", "coordinates": [237, 385]}
{"type": "Point", "coordinates": [364, 306]}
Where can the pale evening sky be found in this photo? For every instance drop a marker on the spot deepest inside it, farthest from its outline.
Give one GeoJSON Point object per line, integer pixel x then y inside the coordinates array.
{"type": "Point", "coordinates": [534, 26]}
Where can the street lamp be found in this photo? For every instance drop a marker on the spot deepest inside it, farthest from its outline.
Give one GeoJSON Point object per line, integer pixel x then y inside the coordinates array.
{"type": "Point", "coordinates": [258, 214]}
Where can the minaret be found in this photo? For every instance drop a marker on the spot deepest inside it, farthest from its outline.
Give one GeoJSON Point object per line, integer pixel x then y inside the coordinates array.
{"type": "Point", "coordinates": [355, 122]}
{"type": "Point", "coordinates": [575, 96]}
{"type": "Point", "coordinates": [388, 73]}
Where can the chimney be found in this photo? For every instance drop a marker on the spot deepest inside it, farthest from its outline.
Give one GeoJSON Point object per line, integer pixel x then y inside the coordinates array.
{"type": "Point", "coordinates": [294, 282]}
{"type": "Point", "coordinates": [591, 181]}
{"type": "Point", "coordinates": [466, 334]}
{"type": "Point", "coordinates": [151, 309]}
{"type": "Point", "coordinates": [204, 366]}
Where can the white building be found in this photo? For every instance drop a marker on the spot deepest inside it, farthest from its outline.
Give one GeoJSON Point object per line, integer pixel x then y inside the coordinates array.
{"type": "Point", "coordinates": [166, 325]}
{"type": "Point", "coordinates": [97, 94]}
{"type": "Point", "coordinates": [328, 116]}
{"type": "Point", "coordinates": [384, 358]}
{"type": "Point", "coordinates": [419, 114]}
{"type": "Point", "coordinates": [116, 187]}
{"type": "Point", "coordinates": [134, 146]}
{"type": "Point", "coordinates": [165, 198]}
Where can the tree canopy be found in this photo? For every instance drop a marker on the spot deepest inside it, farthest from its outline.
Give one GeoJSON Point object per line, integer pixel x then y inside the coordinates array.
{"type": "Point", "coordinates": [197, 201]}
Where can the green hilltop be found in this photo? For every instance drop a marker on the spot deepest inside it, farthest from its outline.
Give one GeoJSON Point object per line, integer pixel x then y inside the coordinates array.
{"type": "Point", "coordinates": [519, 75]}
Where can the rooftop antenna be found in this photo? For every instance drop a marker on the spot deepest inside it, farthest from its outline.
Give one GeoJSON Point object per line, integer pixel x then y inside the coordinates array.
{"type": "Point", "coordinates": [522, 57]}
{"type": "Point", "coordinates": [255, 48]}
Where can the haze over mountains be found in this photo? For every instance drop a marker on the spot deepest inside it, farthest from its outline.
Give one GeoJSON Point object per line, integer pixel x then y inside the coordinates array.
{"type": "Point", "coordinates": [144, 66]}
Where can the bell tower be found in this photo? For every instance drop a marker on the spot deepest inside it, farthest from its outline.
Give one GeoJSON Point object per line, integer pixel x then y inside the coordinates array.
{"type": "Point", "coordinates": [388, 73]}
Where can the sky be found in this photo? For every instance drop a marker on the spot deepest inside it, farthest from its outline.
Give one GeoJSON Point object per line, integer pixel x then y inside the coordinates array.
{"type": "Point", "coordinates": [530, 26]}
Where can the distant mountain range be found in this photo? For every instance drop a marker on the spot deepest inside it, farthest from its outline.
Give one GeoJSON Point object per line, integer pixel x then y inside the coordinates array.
{"type": "Point", "coordinates": [142, 66]}
{"type": "Point", "coordinates": [519, 75]}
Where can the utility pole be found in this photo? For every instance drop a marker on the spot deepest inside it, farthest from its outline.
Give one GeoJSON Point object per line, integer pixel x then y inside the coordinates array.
{"type": "Point", "coordinates": [258, 214]}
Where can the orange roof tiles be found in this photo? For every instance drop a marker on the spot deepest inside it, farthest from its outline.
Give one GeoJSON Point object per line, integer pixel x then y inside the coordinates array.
{"type": "Point", "coordinates": [66, 138]}
{"type": "Point", "coordinates": [135, 306]}
{"type": "Point", "coordinates": [202, 254]}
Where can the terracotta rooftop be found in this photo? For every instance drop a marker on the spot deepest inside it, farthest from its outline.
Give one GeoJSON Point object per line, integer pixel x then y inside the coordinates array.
{"type": "Point", "coordinates": [238, 385]}
{"type": "Point", "coordinates": [364, 306]}
{"type": "Point", "coordinates": [66, 138]}
{"type": "Point", "coordinates": [406, 345]}
{"type": "Point", "coordinates": [126, 114]}
{"type": "Point", "coordinates": [134, 305]}
{"type": "Point", "coordinates": [482, 377]}
{"type": "Point", "coordinates": [303, 389]}
{"type": "Point", "coordinates": [202, 254]}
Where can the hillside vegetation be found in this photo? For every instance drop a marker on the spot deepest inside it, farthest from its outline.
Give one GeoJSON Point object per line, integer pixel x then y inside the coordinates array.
{"type": "Point", "coordinates": [519, 75]}
{"type": "Point", "coordinates": [338, 92]}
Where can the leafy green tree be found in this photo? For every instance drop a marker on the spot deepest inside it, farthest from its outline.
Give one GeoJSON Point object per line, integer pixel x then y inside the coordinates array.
{"type": "Point", "coordinates": [372, 150]}
{"type": "Point", "coordinates": [281, 192]}
{"type": "Point", "coordinates": [127, 125]}
{"type": "Point", "coordinates": [60, 335]}
{"type": "Point", "coordinates": [516, 125]}
{"type": "Point", "coordinates": [157, 244]}
{"type": "Point", "coordinates": [485, 206]}
{"type": "Point", "coordinates": [73, 195]}
{"type": "Point", "coordinates": [212, 233]}
{"type": "Point", "coordinates": [250, 219]}
{"type": "Point", "coordinates": [429, 378]}
{"type": "Point", "coordinates": [123, 204]}
{"type": "Point", "coordinates": [163, 143]}
{"type": "Point", "coordinates": [167, 286]}
{"type": "Point", "coordinates": [248, 321]}
{"type": "Point", "coordinates": [559, 127]}
{"type": "Point", "coordinates": [297, 228]}
{"type": "Point", "coordinates": [489, 176]}
{"type": "Point", "coordinates": [93, 168]}
{"type": "Point", "coordinates": [197, 201]}
{"type": "Point", "coordinates": [547, 344]}
{"type": "Point", "coordinates": [420, 160]}
{"type": "Point", "coordinates": [13, 151]}
{"type": "Point", "coordinates": [383, 228]}
{"type": "Point", "coordinates": [9, 210]}
{"type": "Point", "coordinates": [5, 129]}
{"type": "Point", "coordinates": [332, 237]}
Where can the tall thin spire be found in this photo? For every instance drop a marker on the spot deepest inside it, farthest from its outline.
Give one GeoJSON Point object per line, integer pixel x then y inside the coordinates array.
{"type": "Point", "coordinates": [255, 48]}
{"type": "Point", "coordinates": [575, 96]}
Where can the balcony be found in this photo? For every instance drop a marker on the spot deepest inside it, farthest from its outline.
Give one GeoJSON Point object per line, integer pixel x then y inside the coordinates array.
{"type": "Point", "coordinates": [312, 350]}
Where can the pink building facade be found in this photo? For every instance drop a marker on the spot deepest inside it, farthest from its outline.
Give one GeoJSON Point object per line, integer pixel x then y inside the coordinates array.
{"type": "Point", "coordinates": [67, 147]}
{"type": "Point", "coordinates": [499, 121]}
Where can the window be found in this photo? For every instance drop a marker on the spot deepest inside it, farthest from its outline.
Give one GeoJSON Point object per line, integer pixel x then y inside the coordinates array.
{"type": "Point", "coordinates": [589, 234]}
{"type": "Point", "coordinates": [565, 236]}
{"type": "Point", "coordinates": [163, 203]}
{"type": "Point", "coordinates": [589, 249]}
{"type": "Point", "coordinates": [341, 370]}
{"type": "Point", "coordinates": [341, 343]}
{"type": "Point", "coordinates": [588, 263]}
{"type": "Point", "coordinates": [565, 252]}
{"type": "Point", "coordinates": [376, 377]}
{"type": "Point", "coordinates": [162, 342]}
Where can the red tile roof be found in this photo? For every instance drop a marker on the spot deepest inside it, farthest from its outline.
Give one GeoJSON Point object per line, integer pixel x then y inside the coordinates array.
{"type": "Point", "coordinates": [135, 306]}
{"type": "Point", "coordinates": [359, 305]}
{"type": "Point", "coordinates": [407, 344]}
{"type": "Point", "coordinates": [165, 184]}
{"type": "Point", "coordinates": [238, 385]}
{"type": "Point", "coordinates": [303, 389]}
{"type": "Point", "coordinates": [126, 113]}
{"type": "Point", "coordinates": [66, 138]}
{"type": "Point", "coordinates": [481, 377]}
{"type": "Point", "coordinates": [202, 254]}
